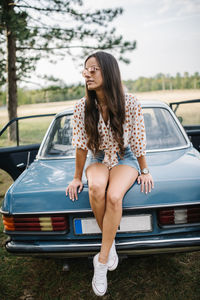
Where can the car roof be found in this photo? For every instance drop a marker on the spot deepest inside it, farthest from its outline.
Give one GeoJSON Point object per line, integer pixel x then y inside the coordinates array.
{"type": "Point", "coordinates": [153, 103]}
{"type": "Point", "coordinates": [144, 103]}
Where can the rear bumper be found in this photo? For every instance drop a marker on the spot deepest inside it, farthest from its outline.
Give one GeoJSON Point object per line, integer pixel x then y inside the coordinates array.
{"type": "Point", "coordinates": [125, 247]}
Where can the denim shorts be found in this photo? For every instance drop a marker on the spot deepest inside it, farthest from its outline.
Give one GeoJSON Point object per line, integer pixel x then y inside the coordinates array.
{"type": "Point", "coordinates": [129, 159]}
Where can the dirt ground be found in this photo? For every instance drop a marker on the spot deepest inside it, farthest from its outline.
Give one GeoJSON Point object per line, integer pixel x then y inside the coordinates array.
{"type": "Point", "coordinates": [170, 96]}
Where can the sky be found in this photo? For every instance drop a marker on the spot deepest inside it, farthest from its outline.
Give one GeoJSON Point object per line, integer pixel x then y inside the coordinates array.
{"type": "Point", "coordinates": [167, 33]}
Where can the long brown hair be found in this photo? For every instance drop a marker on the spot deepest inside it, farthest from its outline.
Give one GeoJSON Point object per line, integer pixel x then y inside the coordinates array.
{"type": "Point", "coordinates": [115, 100]}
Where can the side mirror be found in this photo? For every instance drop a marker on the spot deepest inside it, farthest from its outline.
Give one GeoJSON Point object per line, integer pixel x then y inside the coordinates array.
{"type": "Point", "coordinates": [180, 119]}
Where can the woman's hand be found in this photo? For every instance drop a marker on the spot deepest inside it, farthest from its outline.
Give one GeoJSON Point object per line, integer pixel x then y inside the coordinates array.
{"type": "Point", "coordinates": [146, 182]}
{"type": "Point", "coordinates": [72, 188]}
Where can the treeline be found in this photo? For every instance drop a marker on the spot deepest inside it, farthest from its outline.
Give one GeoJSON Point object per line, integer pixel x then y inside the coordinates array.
{"type": "Point", "coordinates": [55, 93]}
{"type": "Point", "coordinates": [164, 82]}
{"type": "Point", "coordinates": [48, 94]}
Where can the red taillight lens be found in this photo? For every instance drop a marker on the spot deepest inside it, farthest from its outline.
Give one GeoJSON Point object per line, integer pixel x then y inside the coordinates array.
{"type": "Point", "coordinates": [176, 216]}
{"type": "Point", "coordinates": [35, 223]}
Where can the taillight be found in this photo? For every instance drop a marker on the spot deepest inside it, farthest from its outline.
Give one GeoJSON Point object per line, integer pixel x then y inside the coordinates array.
{"type": "Point", "coordinates": [175, 216]}
{"type": "Point", "coordinates": [35, 223]}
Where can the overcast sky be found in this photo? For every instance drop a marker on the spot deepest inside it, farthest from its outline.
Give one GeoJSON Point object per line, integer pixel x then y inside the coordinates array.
{"type": "Point", "coordinates": [167, 34]}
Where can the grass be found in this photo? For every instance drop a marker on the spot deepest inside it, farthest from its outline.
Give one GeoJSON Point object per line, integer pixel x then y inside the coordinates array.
{"type": "Point", "coordinates": [156, 277]}
{"type": "Point", "coordinates": [31, 131]}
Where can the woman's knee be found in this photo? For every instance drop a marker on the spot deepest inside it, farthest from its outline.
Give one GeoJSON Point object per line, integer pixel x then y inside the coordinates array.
{"type": "Point", "coordinates": [114, 201]}
{"type": "Point", "coordinates": [97, 189]}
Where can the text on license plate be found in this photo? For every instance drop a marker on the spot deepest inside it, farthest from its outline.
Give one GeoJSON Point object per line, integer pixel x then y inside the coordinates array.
{"type": "Point", "coordinates": [137, 223]}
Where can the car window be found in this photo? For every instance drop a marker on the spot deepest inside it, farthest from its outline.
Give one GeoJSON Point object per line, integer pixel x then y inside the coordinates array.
{"type": "Point", "coordinates": [188, 113]}
{"type": "Point", "coordinates": [31, 130]}
{"type": "Point", "coordinates": [162, 132]}
{"type": "Point", "coordinates": [59, 139]}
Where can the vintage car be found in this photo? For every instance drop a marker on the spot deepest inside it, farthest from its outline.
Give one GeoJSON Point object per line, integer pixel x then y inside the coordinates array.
{"type": "Point", "coordinates": [41, 220]}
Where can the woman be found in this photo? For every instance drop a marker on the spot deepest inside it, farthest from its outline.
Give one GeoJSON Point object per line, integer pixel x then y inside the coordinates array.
{"type": "Point", "coordinates": [110, 125]}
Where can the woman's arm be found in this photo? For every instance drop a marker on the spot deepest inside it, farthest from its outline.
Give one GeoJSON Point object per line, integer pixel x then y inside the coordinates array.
{"type": "Point", "coordinates": [77, 181]}
{"type": "Point", "coordinates": [145, 180]}
{"type": "Point", "coordinates": [80, 162]}
{"type": "Point", "coordinates": [142, 162]}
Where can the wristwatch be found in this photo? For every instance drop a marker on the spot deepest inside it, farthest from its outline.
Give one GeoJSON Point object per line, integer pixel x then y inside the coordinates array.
{"type": "Point", "coordinates": [145, 171]}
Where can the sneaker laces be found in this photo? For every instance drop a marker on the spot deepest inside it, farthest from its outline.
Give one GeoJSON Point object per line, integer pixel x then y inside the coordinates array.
{"type": "Point", "coordinates": [100, 273]}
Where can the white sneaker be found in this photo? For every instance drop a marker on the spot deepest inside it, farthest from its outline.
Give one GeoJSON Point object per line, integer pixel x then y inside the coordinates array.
{"type": "Point", "coordinates": [112, 258]}
{"type": "Point", "coordinates": [99, 281]}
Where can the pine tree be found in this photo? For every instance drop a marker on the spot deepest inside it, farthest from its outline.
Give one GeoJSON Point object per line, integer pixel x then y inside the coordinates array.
{"type": "Point", "coordinates": [30, 30]}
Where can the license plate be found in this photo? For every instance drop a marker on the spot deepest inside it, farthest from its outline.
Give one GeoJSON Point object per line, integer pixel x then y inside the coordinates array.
{"type": "Point", "coordinates": [137, 223]}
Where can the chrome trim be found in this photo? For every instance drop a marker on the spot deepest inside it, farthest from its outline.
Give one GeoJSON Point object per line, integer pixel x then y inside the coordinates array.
{"type": "Point", "coordinates": [54, 158]}
{"type": "Point", "coordinates": [147, 151]}
{"type": "Point", "coordinates": [197, 239]}
{"type": "Point", "coordinates": [172, 226]}
{"type": "Point", "coordinates": [90, 210]}
{"type": "Point", "coordinates": [69, 245]}
{"type": "Point", "coordinates": [169, 149]}
{"type": "Point", "coordinates": [3, 212]}
{"type": "Point", "coordinates": [45, 137]}
{"type": "Point", "coordinates": [122, 253]}
{"type": "Point", "coordinates": [159, 250]}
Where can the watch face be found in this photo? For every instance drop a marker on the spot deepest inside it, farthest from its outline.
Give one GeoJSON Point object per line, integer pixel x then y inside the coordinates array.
{"type": "Point", "coordinates": [145, 171]}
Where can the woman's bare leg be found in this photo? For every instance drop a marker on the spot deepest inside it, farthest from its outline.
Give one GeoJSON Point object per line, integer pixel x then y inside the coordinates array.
{"type": "Point", "coordinates": [120, 180]}
{"type": "Point", "coordinates": [97, 175]}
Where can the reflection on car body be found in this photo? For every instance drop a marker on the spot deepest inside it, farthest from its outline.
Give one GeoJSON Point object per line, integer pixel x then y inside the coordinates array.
{"type": "Point", "coordinates": [41, 220]}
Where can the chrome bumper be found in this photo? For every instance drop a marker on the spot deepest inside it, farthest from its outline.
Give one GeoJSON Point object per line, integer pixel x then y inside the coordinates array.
{"type": "Point", "coordinates": [73, 249]}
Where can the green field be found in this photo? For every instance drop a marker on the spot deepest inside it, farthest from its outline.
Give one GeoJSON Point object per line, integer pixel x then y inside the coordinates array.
{"type": "Point", "coordinates": [31, 131]}
{"type": "Point", "coordinates": [156, 277]}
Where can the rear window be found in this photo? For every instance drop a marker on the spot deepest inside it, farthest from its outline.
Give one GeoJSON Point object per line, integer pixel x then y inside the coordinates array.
{"type": "Point", "coordinates": [162, 132]}
{"type": "Point", "coordinates": [59, 138]}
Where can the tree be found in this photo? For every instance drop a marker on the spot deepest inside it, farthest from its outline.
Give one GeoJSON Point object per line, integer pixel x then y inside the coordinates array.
{"type": "Point", "coordinates": [33, 29]}
{"type": "Point", "coordinates": [196, 80]}
{"type": "Point", "coordinates": [178, 81]}
{"type": "Point", "coordinates": [186, 80]}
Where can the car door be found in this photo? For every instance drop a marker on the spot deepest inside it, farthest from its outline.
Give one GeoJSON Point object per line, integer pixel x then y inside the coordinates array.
{"type": "Point", "coordinates": [188, 113]}
{"type": "Point", "coordinates": [30, 130]}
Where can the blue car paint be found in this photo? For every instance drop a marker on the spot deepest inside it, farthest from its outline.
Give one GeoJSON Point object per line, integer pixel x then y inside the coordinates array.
{"type": "Point", "coordinates": [41, 188]}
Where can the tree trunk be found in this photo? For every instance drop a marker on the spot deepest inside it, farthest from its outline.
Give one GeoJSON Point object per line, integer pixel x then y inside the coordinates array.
{"type": "Point", "coordinates": [195, 83]}
{"type": "Point", "coordinates": [11, 78]}
{"type": "Point", "coordinates": [163, 82]}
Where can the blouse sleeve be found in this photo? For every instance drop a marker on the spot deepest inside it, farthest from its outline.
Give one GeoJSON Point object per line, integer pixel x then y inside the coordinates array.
{"type": "Point", "coordinates": [79, 139]}
{"type": "Point", "coordinates": [138, 136]}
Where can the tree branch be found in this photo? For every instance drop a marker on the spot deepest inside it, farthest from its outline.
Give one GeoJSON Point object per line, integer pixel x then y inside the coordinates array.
{"type": "Point", "coordinates": [77, 46]}
{"type": "Point", "coordinates": [98, 16]}
{"type": "Point", "coordinates": [42, 9]}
